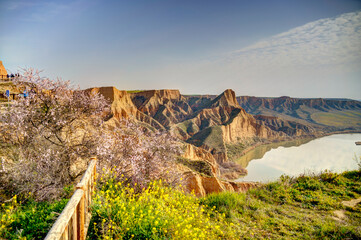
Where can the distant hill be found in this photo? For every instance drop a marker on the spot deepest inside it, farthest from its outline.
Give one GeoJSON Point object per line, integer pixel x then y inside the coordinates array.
{"type": "Point", "coordinates": [321, 112]}
{"type": "Point", "coordinates": [218, 129]}
{"type": "Point", "coordinates": [215, 130]}
{"type": "Point", "coordinates": [215, 123]}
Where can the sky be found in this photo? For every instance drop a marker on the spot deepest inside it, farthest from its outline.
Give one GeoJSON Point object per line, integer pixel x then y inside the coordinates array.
{"type": "Point", "coordinates": [303, 48]}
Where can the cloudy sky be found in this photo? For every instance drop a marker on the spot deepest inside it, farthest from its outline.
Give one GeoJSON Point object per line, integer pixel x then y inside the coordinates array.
{"type": "Point", "coordinates": [299, 48]}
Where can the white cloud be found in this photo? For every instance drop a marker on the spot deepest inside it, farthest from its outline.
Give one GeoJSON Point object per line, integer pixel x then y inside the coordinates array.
{"type": "Point", "coordinates": [326, 42]}
{"type": "Point", "coordinates": [318, 59]}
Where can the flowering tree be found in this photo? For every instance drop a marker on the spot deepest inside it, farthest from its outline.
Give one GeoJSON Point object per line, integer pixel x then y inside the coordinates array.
{"type": "Point", "coordinates": [53, 130]}
{"type": "Point", "coordinates": [138, 154]}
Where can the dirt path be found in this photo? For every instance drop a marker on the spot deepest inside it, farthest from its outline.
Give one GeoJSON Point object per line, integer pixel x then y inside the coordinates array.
{"type": "Point", "coordinates": [352, 202]}
{"type": "Point", "coordinates": [340, 214]}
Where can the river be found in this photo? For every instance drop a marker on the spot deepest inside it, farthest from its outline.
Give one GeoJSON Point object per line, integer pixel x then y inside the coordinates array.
{"type": "Point", "coordinates": [268, 162]}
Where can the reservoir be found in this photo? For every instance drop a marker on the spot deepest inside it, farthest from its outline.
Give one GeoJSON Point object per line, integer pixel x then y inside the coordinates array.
{"type": "Point", "coordinates": [268, 162]}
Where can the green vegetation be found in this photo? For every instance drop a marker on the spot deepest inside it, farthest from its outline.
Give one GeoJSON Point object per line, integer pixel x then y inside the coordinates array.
{"type": "Point", "coordinates": [295, 208]}
{"type": "Point", "coordinates": [338, 118]}
{"type": "Point", "coordinates": [199, 166]}
{"type": "Point", "coordinates": [188, 127]}
{"type": "Point", "coordinates": [235, 150]}
{"type": "Point", "coordinates": [28, 220]}
{"type": "Point", "coordinates": [291, 208]}
{"type": "Point", "coordinates": [157, 212]}
{"type": "Point", "coordinates": [210, 137]}
{"type": "Point", "coordinates": [135, 91]}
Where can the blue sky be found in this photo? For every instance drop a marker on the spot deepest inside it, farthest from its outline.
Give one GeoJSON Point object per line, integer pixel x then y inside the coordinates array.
{"type": "Point", "coordinates": [304, 48]}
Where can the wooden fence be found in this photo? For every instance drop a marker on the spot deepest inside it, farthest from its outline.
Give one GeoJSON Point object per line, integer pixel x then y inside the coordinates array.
{"type": "Point", "coordinates": [74, 220]}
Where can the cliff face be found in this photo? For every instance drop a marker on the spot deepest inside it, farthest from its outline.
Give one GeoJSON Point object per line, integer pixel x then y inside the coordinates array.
{"type": "Point", "coordinates": [165, 106]}
{"type": "Point", "coordinates": [122, 105]}
{"type": "Point", "coordinates": [224, 111]}
{"type": "Point", "coordinates": [291, 105]}
{"type": "Point", "coordinates": [223, 121]}
{"type": "Point", "coordinates": [206, 124]}
{"type": "Point", "coordinates": [318, 113]}
{"type": "Point", "coordinates": [3, 71]}
{"type": "Point", "coordinates": [209, 126]}
{"type": "Point", "coordinates": [245, 126]}
{"type": "Point", "coordinates": [290, 128]}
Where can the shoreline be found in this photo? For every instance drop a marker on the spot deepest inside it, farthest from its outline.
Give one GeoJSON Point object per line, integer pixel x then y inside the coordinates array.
{"type": "Point", "coordinates": [252, 157]}
{"type": "Point", "coordinates": [257, 144]}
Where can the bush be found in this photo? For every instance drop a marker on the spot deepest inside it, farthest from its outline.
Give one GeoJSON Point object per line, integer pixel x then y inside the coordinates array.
{"type": "Point", "coordinates": [30, 220]}
{"type": "Point", "coordinates": [7, 212]}
{"type": "Point", "coordinates": [50, 135]}
{"type": "Point", "coordinates": [156, 212]}
{"type": "Point", "coordinates": [230, 204]}
{"type": "Point", "coordinates": [307, 183]}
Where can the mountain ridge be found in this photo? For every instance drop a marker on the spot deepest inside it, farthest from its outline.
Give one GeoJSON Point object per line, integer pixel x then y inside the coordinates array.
{"type": "Point", "coordinates": [210, 126]}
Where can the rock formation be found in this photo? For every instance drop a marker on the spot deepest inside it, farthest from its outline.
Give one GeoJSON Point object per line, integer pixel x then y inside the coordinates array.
{"type": "Point", "coordinates": [3, 72]}
{"type": "Point", "coordinates": [315, 112]}
{"type": "Point", "coordinates": [209, 126]}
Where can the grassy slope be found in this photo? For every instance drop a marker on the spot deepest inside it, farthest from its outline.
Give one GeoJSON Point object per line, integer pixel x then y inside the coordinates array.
{"type": "Point", "coordinates": [347, 118]}
{"type": "Point", "coordinates": [29, 220]}
{"type": "Point", "coordinates": [135, 91]}
{"type": "Point", "coordinates": [295, 208]}
{"type": "Point", "coordinates": [199, 166]}
{"type": "Point", "coordinates": [291, 208]}
{"type": "Point", "coordinates": [210, 137]}
{"type": "Point", "coordinates": [311, 116]}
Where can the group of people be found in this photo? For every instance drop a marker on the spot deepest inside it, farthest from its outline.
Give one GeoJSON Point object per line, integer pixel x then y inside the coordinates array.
{"type": "Point", "coordinates": [8, 76]}
{"type": "Point", "coordinates": [12, 75]}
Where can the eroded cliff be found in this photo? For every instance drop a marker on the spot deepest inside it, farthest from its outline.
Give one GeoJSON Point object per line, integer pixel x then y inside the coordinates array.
{"type": "Point", "coordinates": [212, 128]}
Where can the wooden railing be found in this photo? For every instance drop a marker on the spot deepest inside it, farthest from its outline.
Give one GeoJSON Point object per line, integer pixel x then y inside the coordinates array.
{"type": "Point", "coordinates": [74, 220]}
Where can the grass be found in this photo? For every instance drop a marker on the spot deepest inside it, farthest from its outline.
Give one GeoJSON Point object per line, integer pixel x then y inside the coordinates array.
{"type": "Point", "coordinates": [6, 83]}
{"type": "Point", "coordinates": [135, 91]}
{"type": "Point", "coordinates": [28, 220]}
{"type": "Point", "coordinates": [211, 136]}
{"type": "Point", "coordinates": [188, 126]}
{"type": "Point", "coordinates": [347, 118]}
{"type": "Point", "coordinates": [199, 166]}
{"type": "Point", "coordinates": [290, 208]}
{"type": "Point", "coordinates": [294, 208]}
{"type": "Point", "coordinates": [234, 151]}
{"type": "Point", "coordinates": [157, 212]}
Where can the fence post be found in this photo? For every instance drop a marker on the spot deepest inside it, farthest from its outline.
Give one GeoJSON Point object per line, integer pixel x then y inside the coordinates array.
{"type": "Point", "coordinates": [81, 218]}
{"type": "Point", "coordinates": [74, 226]}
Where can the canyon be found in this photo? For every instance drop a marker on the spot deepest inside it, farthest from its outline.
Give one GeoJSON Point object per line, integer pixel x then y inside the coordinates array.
{"type": "Point", "coordinates": [215, 130]}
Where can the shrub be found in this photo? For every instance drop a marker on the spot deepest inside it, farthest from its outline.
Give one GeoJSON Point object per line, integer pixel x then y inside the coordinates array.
{"type": "Point", "coordinates": [230, 204]}
{"type": "Point", "coordinates": [47, 132]}
{"type": "Point", "coordinates": [307, 183]}
{"type": "Point", "coordinates": [157, 212]}
{"type": "Point", "coordinates": [57, 128]}
{"type": "Point", "coordinates": [7, 216]}
{"type": "Point", "coordinates": [30, 220]}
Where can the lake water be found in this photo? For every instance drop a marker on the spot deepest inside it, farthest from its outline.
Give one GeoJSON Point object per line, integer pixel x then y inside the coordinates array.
{"type": "Point", "coordinates": [336, 153]}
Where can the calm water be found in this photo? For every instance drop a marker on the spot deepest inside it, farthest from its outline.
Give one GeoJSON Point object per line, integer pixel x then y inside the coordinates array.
{"type": "Point", "coordinates": [336, 152]}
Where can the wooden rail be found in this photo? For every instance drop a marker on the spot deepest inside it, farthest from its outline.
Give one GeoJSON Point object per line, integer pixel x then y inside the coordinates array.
{"type": "Point", "coordinates": [74, 220]}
